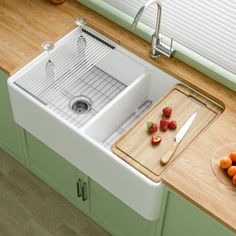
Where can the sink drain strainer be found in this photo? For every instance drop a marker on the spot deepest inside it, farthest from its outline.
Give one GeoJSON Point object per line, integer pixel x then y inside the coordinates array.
{"type": "Point", "coordinates": [80, 104]}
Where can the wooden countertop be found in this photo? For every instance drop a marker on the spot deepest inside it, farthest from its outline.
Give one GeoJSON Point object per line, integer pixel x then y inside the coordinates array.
{"type": "Point", "coordinates": [26, 24]}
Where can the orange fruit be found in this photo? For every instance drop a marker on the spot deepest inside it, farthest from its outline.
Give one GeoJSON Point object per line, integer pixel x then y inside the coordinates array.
{"type": "Point", "coordinates": [231, 171]}
{"type": "Point", "coordinates": [232, 155]}
{"type": "Point", "coordinates": [225, 162]}
{"type": "Point", "coordinates": [234, 180]}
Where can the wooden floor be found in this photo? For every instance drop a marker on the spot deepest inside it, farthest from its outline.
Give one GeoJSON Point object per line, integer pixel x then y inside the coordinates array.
{"type": "Point", "coordinates": [28, 207]}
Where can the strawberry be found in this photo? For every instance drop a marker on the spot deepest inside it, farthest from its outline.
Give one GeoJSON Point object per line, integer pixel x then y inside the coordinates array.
{"type": "Point", "coordinates": [172, 124]}
{"type": "Point", "coordinates": [156, 139]}
{"type": "Point", "coordinates": [164, 124]}
{"type": "Point", "coordinates": [152, 127]}
{"type": "Point", "coordinates": [167, 111]}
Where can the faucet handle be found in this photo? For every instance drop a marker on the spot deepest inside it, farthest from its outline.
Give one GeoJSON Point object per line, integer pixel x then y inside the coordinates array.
{"type": "Point", "coordinates": [162, 48]}
{"type": "Point", "coordinates": [171, 43]}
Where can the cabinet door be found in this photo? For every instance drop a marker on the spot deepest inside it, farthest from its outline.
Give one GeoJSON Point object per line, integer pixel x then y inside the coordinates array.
{"type": "Point", "coordinates": [57, 172]}
{"type": "Point", "coordinates": [9, 131]}
{"type": "Point", "coordinates": [182, 218]}
{"type": "Point", "coordinates": [116, 215]}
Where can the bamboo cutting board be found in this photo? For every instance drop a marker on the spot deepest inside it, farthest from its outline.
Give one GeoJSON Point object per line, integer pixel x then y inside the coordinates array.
{"type": "Point", "coordinates": [135, 145]}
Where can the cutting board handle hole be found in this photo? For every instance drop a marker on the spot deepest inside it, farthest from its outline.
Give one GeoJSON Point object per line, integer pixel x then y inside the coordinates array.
{"type": "Point", "coordinates": [201, 103]}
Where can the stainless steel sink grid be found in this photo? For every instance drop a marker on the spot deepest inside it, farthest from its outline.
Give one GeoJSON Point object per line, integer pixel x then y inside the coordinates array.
{"type": "Point", "coordinates": [76, 74]}
{"type": "Point", "coordinates": [95, 84]}
{"type": "Point", "coordinates": [107, 143]}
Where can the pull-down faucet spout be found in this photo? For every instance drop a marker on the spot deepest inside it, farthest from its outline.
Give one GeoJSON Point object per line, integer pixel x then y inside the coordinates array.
{"type": "Point", "coordinates": [141, 10]}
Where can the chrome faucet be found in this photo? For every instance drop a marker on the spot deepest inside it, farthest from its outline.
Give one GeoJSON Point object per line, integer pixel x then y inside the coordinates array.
{"type": "Point", "coordinates": [158, 48]}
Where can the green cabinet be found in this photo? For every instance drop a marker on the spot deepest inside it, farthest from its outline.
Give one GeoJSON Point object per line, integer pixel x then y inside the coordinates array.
{"type": "Point", "coordinates": [182, 218]}
{"type": "Point", "coordinates": [178, 217]}
{"type": "Point", "coordinates": [121, 219]}
{"type": "Point", "coordinates": [57, 172]}
{"type": "Point", "coordinates": [99, 204]}
{"type": "Point", "coordinates": [11, 135]}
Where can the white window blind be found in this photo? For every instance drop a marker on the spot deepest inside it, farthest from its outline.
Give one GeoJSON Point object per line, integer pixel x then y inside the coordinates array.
{"type": "Point", "coordinates": [207, 27]}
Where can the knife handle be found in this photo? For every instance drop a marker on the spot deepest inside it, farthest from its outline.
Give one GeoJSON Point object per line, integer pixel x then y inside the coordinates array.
{"type": "Point", "coordinates": [167, 156]}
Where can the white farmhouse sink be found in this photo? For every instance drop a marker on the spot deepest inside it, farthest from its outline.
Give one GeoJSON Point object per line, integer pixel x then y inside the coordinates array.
{"type": "Point", "coordinates": [42, 107]}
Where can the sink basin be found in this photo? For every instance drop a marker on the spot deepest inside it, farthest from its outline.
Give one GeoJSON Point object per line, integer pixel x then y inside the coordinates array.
{"type": "Point", "coordinates": [118, 85]}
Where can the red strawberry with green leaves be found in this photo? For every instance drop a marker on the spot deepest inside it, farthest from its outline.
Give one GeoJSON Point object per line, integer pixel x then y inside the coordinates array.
{"type": "Point", "coordinates": [152, 127]}
{"type": "Point", "coordinates": [164, 124]}
{"type": "Point", "coordinates": [167, 111]}
{"type": "Point", "coordinates": [172, 124]}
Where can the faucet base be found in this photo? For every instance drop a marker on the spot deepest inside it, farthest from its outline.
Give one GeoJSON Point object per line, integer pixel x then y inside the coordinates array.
{"type": "Point", "coordinates": [158, 48]}
{"type": "Point", "coordinates": [156, 40]}
{"type": "Point", "coordinates": [155, 56]}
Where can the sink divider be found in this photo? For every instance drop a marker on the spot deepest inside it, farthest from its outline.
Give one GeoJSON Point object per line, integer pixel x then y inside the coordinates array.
{"type": "Point", "coordinates": [118, 110]}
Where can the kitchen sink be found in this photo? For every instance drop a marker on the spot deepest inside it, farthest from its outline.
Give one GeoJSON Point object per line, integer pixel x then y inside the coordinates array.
{"type": "Point", "coordinates": [94, 98]}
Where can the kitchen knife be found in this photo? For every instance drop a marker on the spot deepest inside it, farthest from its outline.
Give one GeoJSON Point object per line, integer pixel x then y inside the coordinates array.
{"type": "Point", "coordinates": [178, 137]}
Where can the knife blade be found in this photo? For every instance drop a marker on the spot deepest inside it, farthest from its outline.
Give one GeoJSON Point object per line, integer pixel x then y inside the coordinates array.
{"type": "Point", "coordinates": [183, 130]}
{"type": "Point", "coordinates": [178, 138]}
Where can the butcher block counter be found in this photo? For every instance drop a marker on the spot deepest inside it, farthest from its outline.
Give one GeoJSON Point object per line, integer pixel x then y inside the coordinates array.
{"type": "Point", "coordinates": [26, 24]}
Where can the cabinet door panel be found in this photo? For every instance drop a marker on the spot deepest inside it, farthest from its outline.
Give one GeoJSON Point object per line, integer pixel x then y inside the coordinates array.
{"type": "Point", "coordinates": [55, 170]}
{"type": "Point", "coordinates": [119, 217]}
{"type": "Point", "coordinates": [9, 136]}
{"type": "Point", "coordinates": [182, 218]}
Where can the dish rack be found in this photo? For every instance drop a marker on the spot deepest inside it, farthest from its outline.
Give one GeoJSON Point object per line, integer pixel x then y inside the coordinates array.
{"type": "Point", "coordinates": [76, 74]}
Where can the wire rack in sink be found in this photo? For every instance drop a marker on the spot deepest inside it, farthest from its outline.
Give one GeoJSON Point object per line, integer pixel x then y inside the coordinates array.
{"type": "Point", "coordinates": [76, 74]}
{"type": "Point", "coordinates": [107, 143]}
{"type": "Point", "coordinates": [100, 87]}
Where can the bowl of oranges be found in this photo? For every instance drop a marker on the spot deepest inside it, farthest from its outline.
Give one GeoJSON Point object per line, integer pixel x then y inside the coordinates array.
{"type": "Point", "coordinates": [224, 164]}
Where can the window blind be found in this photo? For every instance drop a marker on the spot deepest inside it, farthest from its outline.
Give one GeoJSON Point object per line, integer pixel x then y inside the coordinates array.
{"type": "Point", "coordinates": [206, 27]}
